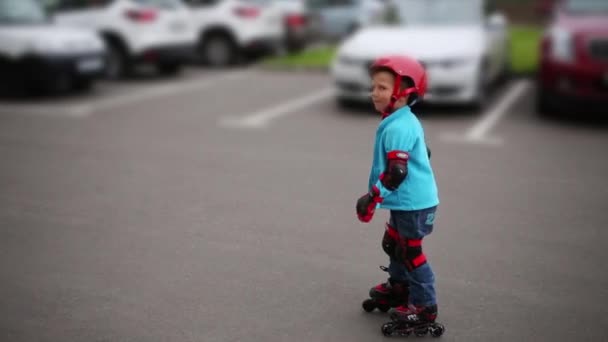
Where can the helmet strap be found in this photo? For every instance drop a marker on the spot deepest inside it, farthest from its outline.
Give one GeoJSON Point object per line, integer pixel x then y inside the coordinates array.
{"type": "Point", "coordinates": [397, 94]}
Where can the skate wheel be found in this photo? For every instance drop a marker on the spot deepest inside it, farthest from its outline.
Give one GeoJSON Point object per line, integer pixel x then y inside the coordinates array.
{"type": "Point", "coordinates": [384, 307]}
{"type": "Point", "coordinates": [368, 305]}
{"type": "Point", "coordinates": [388, 328]}
{"type": "Point", "coordinates": [437, 329]}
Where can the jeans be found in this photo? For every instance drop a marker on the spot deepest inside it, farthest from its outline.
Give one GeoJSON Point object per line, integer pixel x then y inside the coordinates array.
{"type": "Point", "coordinates": [414, 225]}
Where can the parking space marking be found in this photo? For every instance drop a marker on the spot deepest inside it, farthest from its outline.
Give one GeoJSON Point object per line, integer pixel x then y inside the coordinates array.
{"type": "Point", "coordinates": [47, 110]}
{"type": "Point", "coordinates": [478, 134]}
{"type": "Point", "coordinates": [263, 117]}
{"type": "Point", "coordinates": [127, 97]}
{"type": "Point", "coordinates": [167, 90]}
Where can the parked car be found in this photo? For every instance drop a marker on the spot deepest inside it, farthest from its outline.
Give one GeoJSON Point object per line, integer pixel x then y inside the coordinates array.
{"type": "Point", "coordinates": [574, 57]}
{"type": "Point", "coordinates": [229, 29]}
{"type": "Point", "coordinates": [157, 32]}
{"type": "Point", "coordinates": [36, 54]}
{"type": "Point", "coordinates": [297, 24]}
{"type": "Point", "coordinates": [462, 44]}
{"type": "Point", "coordinates": [337, 19]}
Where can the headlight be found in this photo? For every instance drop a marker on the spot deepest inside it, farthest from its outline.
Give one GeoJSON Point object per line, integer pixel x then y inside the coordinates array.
{"type": "Point", "coordinates": [562, 45]}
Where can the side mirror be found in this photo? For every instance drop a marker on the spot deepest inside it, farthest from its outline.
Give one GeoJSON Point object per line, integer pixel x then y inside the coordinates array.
{"type": "Point", "coordinates": [497, 21]}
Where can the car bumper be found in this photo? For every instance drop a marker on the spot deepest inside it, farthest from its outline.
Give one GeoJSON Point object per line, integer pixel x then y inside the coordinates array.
{"type": "Point", "coordinates": [298, 34]}
{"type": "Point", "coordinates": [262, 45]}
{"type": "Point", "coordinates": [453, 85]}
{"type": "Point", "coordinates": [569, 83]}
{"type": "Point", "coordinates": [45, 69]}
{"type": "Point", "coordinates": [167, 53]}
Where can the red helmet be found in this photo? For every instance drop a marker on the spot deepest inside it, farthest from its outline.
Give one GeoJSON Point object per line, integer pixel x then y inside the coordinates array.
{"type": "Point", "coordinates": [403, 66]}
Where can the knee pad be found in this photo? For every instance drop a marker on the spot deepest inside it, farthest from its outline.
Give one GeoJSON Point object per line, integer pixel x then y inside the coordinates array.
{"type": "Point", "coordinates": [390, 241]}
{"type": "Point", "coordinates": [409, 251]}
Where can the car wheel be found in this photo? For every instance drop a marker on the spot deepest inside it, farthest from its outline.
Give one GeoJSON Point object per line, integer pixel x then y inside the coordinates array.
{"type": "Point", "coordinates": [83, 84]}
{"type": "Point", "coordinates": [218, 50]}
{"type": "Point", "coordinates": [61, 83]}
{"type": "Point", "coordinates": [481, 96]}
{"type": "Point", "coordinates": [118, 64]}
{"type": "Point", "coordinates": [543, 106]}
{"type": "Point", "coordinates": [345, 103]}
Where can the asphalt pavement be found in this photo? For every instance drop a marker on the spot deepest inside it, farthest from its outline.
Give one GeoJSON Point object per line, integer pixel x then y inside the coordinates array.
{"type": "Point", "coordinates": [220, 207]}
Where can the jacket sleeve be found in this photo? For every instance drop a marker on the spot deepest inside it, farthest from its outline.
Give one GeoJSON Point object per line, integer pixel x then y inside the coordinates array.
{"type": "Point", "coordinates": [395, 140]}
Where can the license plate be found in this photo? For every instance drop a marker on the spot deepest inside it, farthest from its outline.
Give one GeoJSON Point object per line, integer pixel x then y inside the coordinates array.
{"type": "Point", "coordinates": [91, 64]}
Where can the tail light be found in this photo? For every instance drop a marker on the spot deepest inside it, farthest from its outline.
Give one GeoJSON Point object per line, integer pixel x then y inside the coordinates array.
{"type": "Point", "coordinates": [247, 12]}
{"type": "Point", "coordinates": [141, 15]}
{"type": "Point", "coordinates": [295, 20]}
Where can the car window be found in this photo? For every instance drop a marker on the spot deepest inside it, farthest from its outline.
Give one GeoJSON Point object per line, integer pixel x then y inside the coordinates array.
{"type": "Point", "coordinates": [317, 4]}
{"type": "Point", "coordinates": [197, 3]}
{"type": "Point", "coordinates": [586, 6]}
{"type": "Point", "coordinates": [21, 12]}
{"type": "Point", "coordinates": [79, 4]}
{"type": "Point", "coordinates": [158, 3]}
{"type": "Point", "coordinates": [434, 12]}
{"type": "Point", "coordinates": [258, 2]}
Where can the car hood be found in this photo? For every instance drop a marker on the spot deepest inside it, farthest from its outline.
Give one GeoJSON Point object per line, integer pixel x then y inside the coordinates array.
{"type": "Point", "coordinates": [62, 38]}
{"type": "Point", "coordinates": [584, 23]}
{"type": "Point", "coordinates": [423, 43]}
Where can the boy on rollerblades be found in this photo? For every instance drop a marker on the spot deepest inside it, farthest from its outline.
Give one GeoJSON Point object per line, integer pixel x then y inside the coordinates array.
{"type": "Point", "coordinates": [402, 181]}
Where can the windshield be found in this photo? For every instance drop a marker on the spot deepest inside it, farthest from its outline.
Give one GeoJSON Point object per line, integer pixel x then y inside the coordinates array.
{"type": "Point", "coordinates": [159, 3]}
{"type": "Point", "coordinates": [21, 12]}
{"type": "Point", "coordinates": [434, 12]}
{"type": "Point", "coordinates": [586, 6]}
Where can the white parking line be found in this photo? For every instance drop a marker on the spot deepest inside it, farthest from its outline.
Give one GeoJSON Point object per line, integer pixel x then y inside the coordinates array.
{"type": "Point", "coordinates": [127, 97]}
{"type": "Point", "coordinates": [167, 90]}
{"type": "Point", "coordinates": [478, 134]}
{"type": "Point", "coordinates": [261, 118]}
{"type": "Point", "coordinates": [48, 110]}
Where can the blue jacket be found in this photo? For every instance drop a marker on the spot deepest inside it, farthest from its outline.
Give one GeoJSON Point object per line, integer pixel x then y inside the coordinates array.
{"type": "Point", "coordinates": [402, 131]}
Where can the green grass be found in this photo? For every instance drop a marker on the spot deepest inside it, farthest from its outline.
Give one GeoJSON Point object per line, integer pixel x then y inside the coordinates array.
{"type": "Point", "coordinates": [524, 49]}
{"type": "Point", "coordinates": [524, 53]}
{"type": "Point", "coordinates": [313, 58]}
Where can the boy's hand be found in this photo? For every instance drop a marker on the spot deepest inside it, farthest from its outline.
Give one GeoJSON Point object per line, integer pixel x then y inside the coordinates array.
{"type": "Point", "coordinates": [366, 205]}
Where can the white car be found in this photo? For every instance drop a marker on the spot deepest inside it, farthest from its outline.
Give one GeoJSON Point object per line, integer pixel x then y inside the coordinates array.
{"type": "Point", "coordinates": [157, 32]}
{"type": "Point", "coordinates": [36, 54]}
{"type": "Point", "coordinates": [462, 44]}
{"type": "Point", "coordinates": [228, 29]}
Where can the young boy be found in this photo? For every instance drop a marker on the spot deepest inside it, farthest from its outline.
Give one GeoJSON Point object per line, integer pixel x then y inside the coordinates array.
{"type": "Point", "coordinates": [402, 181]}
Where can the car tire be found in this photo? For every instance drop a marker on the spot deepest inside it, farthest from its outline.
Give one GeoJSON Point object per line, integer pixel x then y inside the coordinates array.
{"type": "Point", "coordinates": [218, 50]}
{"type": "Point", "coordinates": [345, 103]}
{"type": "Point", "coordinates": [118, 63]}
{"type": "Point", "coordinates": [83, 84]}
{"type": "Point", "coordinates": [481, 97]}
{"type": "Point", "coordinates": [543, 105]}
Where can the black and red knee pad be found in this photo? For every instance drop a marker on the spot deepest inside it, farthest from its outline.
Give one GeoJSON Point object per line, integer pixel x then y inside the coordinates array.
{"type": "Point", "coordinates": [407, 251]}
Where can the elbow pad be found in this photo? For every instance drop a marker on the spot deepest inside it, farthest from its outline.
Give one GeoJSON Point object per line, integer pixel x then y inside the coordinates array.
{"type": "Point", "coordinates": [396, 170]}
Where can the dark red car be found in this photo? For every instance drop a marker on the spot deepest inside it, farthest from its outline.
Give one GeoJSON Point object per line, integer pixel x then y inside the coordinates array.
{"type": "Point", "coordinates": [573, 71]}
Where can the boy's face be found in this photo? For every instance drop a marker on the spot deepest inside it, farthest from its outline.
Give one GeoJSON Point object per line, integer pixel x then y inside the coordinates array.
{"type": "Point", "coordinates": [383, 83]}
